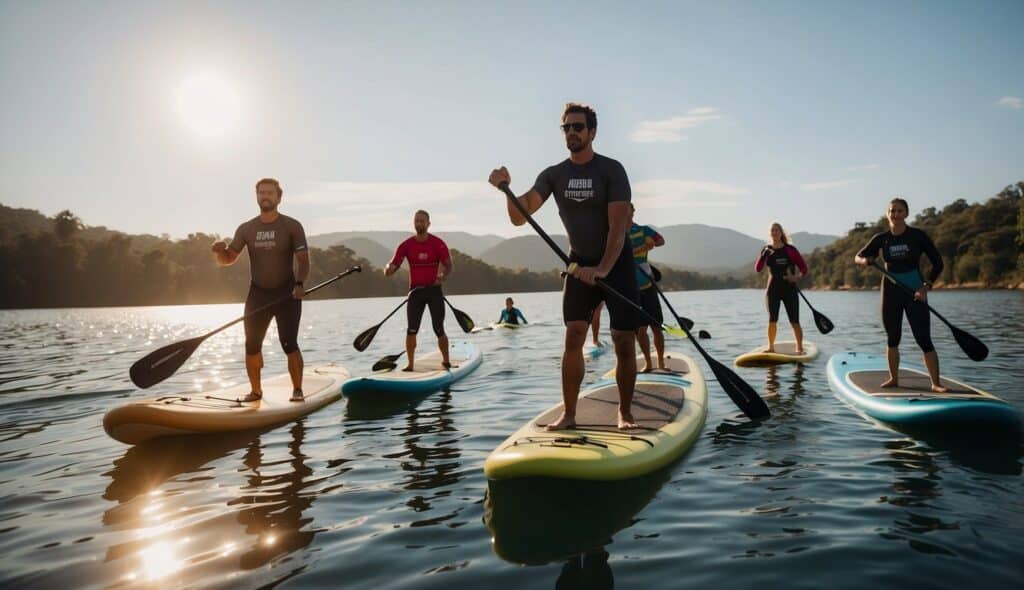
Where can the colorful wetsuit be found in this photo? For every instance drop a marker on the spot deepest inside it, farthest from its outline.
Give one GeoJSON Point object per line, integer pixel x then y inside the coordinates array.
{"type": "Point", "coordinates": [902, 256]}
{"type": "Point", "coordinates": [272, 247]}
{"type": "Point", "coordinates": [641, 237]}
{"type": "Point", "coordinates": [780, 263]}
{"type": "Point", "coordinates": [424, 259]}
{"type": "Point", "coordinates": [511, 317]}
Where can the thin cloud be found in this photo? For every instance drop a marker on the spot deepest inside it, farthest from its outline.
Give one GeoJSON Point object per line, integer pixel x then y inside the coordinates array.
{"type": "Point", "coordinates": [1011, 102]}
{"type": "Point", "coordinates": [670, 130]}
{"type": "Point", "coordinates": [862, 167]}
{"type": "Point", "coordinates": [671, 193]}
{"type": "Point", "coordinates": [826, 185]}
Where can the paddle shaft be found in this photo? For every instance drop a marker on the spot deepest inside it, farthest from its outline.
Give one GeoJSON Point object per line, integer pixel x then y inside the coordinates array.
{"type": "Point", "coordinates": [741, 393]}
{"type": "Point", "coordinates": [281, 300]}
{"type": "Point", "coordinates": [910, 292]}
{"type": "Point", "coordinates": [679, 319]}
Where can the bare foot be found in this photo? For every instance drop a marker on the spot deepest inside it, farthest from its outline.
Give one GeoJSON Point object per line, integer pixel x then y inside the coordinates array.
{"type": "Point", "coordinates": [562, 423]}
{"type": "Point", "coordinates": [647, 369]}
{"type": "Point", "coordinates": [626, 421]}
{"type": "Point", "coordinates": [297, 396]}
{"type": "Point", "coordinates": [890, 383]}
{"type": "Point", "coordinates": [800, 351]}
{"type": "Point", "coordinates": [939, 388]}
{"type": "Point", "coordinates": [446, 365]}
{"type": "Point", "coordinates": [770, 349]}
{"type": "Point", "coordinates": [252, 397]}
{"type": "Point", "coordinates": [408, 369]}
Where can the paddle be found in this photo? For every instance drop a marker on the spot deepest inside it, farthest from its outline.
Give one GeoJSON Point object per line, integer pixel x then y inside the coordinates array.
{"type": "Point", "coordinates": [686, 323]}
{"type": "Point", "coordinates": [741, 393]}
{"type": "Point", "coordinates": [388, 362]}
{"type": "Point", "coordinates": [974, 349]}
{"type": "Point", "coordinates": [163, 362]}
{"type": "Point", "coordinates": [366, 336]}
{"type": "Point", "coordinates": [465, 322]}
{"type": "Point", "coordinates": [824, 324]}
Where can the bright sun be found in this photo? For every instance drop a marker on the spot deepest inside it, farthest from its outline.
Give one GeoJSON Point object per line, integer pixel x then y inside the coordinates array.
{"type": "Point", "coordinates": [208, 104]}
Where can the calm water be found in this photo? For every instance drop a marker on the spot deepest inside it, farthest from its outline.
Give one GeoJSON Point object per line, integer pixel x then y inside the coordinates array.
{"type": "Point", "coordinates": [394, 496]}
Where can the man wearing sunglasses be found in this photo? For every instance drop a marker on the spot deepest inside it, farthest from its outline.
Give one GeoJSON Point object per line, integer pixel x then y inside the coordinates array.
{"type": "Point", "coordinates": [593, 198]}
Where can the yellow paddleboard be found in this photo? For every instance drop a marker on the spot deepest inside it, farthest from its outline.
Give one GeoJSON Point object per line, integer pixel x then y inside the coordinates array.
{"type": "Point", "coordinates": [785, 352]}
{"type": "Point", "coordinates": [670, 407]}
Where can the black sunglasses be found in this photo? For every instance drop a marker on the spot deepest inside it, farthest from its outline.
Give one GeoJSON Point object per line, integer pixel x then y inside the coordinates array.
{"type": "Point", "coordinates": [577, 127]}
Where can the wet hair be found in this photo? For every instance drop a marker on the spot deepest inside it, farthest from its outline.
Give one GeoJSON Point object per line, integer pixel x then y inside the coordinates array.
{"type": "Point", "coordinates": [508, 300]}
{"type": "Point", "coordinates": [901, 201]}
{"type": "Point", "coordinates": [782, 232]}
{"type": "Point", "coordinates": [578, 107]}
{"type": "Point", "coordinates": [424, 213]}
{"type": "Point", "coordinates": [272, 181]}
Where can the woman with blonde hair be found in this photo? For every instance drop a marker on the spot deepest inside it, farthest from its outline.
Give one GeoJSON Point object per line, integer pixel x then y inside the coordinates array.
{"type": "Point", "coordinates": [782, 260]}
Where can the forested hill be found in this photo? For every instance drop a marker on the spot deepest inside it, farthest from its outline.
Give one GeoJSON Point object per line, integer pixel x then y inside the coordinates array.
{"type": "Point", "coordinates": [982, 245]}
{"type": "Point", "coordinates": [57, 262]}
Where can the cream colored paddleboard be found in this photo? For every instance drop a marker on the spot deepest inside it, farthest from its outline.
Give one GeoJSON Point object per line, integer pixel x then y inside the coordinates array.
{"type": "Point", "coordinates": [220, 410]}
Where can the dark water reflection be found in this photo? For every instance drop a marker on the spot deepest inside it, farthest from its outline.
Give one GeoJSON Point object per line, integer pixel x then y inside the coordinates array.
{"type": "Point", "coordinates": [391, 494]}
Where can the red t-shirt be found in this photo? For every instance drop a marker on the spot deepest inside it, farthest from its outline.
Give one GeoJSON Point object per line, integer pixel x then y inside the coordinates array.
{"type": "Point", "coordinates": [424, 258]}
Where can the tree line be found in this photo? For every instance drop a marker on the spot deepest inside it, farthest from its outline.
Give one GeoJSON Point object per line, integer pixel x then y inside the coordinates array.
{"type": "Point", "coordinates": [61, 263]}
{"type": "Point", "coordinates": [982, 244]}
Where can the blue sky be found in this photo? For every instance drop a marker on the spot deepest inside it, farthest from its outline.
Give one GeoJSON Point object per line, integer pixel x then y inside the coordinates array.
{"type": "Point", "coordinates": [733, 114]}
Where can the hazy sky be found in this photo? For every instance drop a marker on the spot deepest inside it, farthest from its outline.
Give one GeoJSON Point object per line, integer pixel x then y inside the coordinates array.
{"type": "Point", "coordinates": [158, 117]}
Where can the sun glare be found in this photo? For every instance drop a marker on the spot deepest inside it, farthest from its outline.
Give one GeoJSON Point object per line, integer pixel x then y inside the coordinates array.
{"type": "Point", "coordinates": [208, 104]}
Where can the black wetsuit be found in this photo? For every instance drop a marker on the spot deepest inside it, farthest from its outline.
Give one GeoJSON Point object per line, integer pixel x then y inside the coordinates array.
{"type": "Point", "coordinates": [272, 247]}
{"type": "Point", "coordinates": [582, 193]}
{"type": "Point", "coordinates": [902, 255]}
{"type": "Point", "coordinates": [781, 262]}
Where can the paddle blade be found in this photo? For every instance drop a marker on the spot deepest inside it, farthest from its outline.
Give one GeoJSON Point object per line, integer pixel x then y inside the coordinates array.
{"type": "Point", "coordinates": [673, 330]}
{"type": "Point", "coordinates": [823, 323]}
{"type": "Point", "coordinates": [365, 338]}
{"type": "Point", "coordinates": [686, 323]}
{"type": "Point", "coordinates": [703, 334]}
{"type": "Point", "coordinates": [465, 322]}
{"type": "Point", "coordinates": [386, 364]}
{"type": "Point", "coordinates": [974, 349]}
{"type": "Point", "coordinates": [162, 362]}
{"type": "Point", "coordinates": [741, 393]}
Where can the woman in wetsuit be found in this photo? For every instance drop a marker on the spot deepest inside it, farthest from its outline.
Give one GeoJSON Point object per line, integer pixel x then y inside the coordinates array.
{"type": "Point", "coordinates": [782, 260]}
{"type": "Point", "coordinates": [901, 248]}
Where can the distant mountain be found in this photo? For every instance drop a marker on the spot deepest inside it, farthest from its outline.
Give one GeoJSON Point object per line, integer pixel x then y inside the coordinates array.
{"type": "Point", "coordinates": [690, 246]}
{"type": "Point", "coordinates": [464, 242]}
{"type": "Point", "coordinates": [529, 252]}
{"type": "Point", "coordinates": [366, 248]}
{"type": "Point", "coordinates": [808, 242]}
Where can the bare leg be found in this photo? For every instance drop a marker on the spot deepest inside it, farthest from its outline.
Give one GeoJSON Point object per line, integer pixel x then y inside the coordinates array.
{"type": "Point", "coordinates": [625, 375]}
{"type": "Point", "coordinates": [410, 350]}
{"type": "Point", "coordinates": [893, 356]}
{"type": "Point", "coordinates": [442, 344]}
{"type": "Point", "coordinates": [595, 324]}
{"type": "Point", "coordinates": [645, 347]}
{"type": "Point", "coordinates": [295, 365]}
{"type": "Point", "coordinates": [931, 362]}
{"type": "Point", "coordinates": [659, 345]}
{"type": "Point", "coordinates": [798, 333]}
{"type": "Point", "coordinates": [572, 373]}
{"type": "Point", "coordinates": [773, 327]}
{"type": "Point", "coordinates": [253, 364]}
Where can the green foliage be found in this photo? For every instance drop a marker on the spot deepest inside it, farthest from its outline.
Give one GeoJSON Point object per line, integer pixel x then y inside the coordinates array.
{"type": "Point", "coordinates": [979, 243]}
{"type": "Point", "coordinates": [59, 263]}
